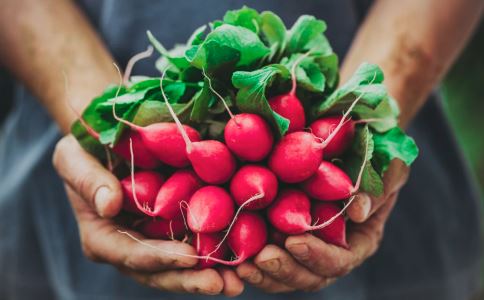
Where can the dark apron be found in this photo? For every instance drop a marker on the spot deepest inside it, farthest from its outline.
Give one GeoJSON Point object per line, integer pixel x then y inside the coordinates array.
{"type": "Point", "coordinates": [431, 248]}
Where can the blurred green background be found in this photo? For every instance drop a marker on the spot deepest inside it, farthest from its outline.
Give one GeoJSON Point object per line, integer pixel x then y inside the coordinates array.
{"type": "Point", "coordinates": [464, 106]}
{"type": "Point", "coordinates": [464, 103]}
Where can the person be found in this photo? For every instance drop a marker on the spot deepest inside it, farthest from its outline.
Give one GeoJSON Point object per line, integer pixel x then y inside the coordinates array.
{"type": "Point", "coordinates": [431, 248]}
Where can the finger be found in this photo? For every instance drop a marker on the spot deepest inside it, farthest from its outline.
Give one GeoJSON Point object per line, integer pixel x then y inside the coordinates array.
{"type": "Point", "coordinates": [85, 175]}
{"type": "Point", "coordinates": [101, 241]}
{"type": "Point", "coordinates": [206, 282]}
{"type": "Point", "coordinates": [250, 273]}
{"type": "Point", "coordinates": [364, 205]}
{"type": "Point", "coordinates": [359, 210]}
{"type": "Point", "coordinates": [279, 265]}
{"type": "Point", "coordinates": [233, 286]}
{"type": "Point", "coordinates": [332, 261]}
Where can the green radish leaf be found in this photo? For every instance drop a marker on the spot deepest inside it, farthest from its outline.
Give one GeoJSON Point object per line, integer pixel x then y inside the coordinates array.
{"type": "Point", "coordinates": [176, 56]}
{"type": "Point", "coordinates": [385, 114]}
{"type": "Point", "coordinates": [201, 104]}
{"type": "Point", "coordinates": [228, 48]}
{"type": "Point", "coordinates": [308, 74]}
{"type": "Point", "coordinates": [391, 145]}
{"type": "Point", "coordinates": [371, 182]}
{"type": "Point", "coordinates": [273, 32]}
{"type": "Point", "coordinates": [252, 89]}
{"type": "Point", "coordinates": [328, 65]}
{"type": "Point", "coordinates": [174, 91]}
{"type": "Point", "coordinates": [112, 135]}
{"type": "Point", "coordinates": [197, 36]}
{"type": "Point", "coordinates": [153, 111]}
{"type": "Point", "coordinates": [97, 122]}
{"type": "Point", "coordinates": [365, 83]}
{"type": "Point", "coordinates": [244, 17]}
{"type": "Point", "coordinates": [303, 34]}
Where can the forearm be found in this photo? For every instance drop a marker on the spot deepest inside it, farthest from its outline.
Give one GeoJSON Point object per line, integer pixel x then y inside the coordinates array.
{"type": "Point", "coordinates": [43, 39]}
{"type": "Point", "coordinates": [414, 42]}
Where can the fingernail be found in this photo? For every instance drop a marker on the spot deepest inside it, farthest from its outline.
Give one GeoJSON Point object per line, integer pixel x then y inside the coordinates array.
{"type": "Point", "coordinates": [255, 277]}
{"type": "Point", "coordinates": [299, 250]}
{"type": "Point", "coordinates": [365, 206]}
{"type": "Point", "coordinates": [101, 200]}
{"type": "Point", "coordinates": [271, 265]}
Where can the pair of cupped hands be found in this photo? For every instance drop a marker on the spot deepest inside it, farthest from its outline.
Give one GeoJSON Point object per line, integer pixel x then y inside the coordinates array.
{"type": "Point", "coordinates": [307, 263]}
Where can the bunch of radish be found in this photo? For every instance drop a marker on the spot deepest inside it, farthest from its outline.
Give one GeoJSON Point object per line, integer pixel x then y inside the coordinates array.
{"type": "Point", "coordinates": [230, 194]}
{"type": "Point", "coordinates": [225, 196]}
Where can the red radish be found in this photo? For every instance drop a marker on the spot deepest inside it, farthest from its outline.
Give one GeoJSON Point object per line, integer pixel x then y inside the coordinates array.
{"type": "Point", "coordinates": [291, 213]}
{"type": "Point", "coordinates": [247, 237]}
{"type": "Point", "coordinates": [157, 228]}
{"type": "Point", "coordinates": [144, 159]}
{"type": "Point", "coordinates": [251, 180]}
{"type": "Point", "coordinates": [323, 127]}
{"type": "Point", "coordinates": [165, 141]}
{"type": "Point", "coordinates": [211, 159]}
{"type": "Point", "coordinates": [277, 238]}
{"type": "Point", "coordinates": [210, 209]}
{"type": "Point", "coordinates": [329, 183]}
{"type": "Point", "coordinates": [205, 244]}
{"type": "Point", "coordinates": [288, 105]}
{"type": "Point", "coordinates": [144, 193]}
{"type": "Point", "coordinates": [247, 135]}
{"type": "Point", "coordinates": [296, 157]}
{"type": "Point", "coordinates": [178, 188]}
{"type": "Point", "coordinates": [334, 233]}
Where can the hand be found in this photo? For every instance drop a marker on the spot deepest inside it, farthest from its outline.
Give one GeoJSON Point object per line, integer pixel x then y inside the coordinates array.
{"type": "Point", "coordinates": [310, 264]}
{"type": "Point", "coordinates": [95, 195]}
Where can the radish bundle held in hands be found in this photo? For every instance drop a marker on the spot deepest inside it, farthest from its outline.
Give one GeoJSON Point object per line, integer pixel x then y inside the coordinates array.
{"type": "Point", "coordinates": [265, 156]}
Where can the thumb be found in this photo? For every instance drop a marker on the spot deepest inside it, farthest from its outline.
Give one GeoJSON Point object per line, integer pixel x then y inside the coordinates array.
{"type": "Point", "coordinates": [84, 174]}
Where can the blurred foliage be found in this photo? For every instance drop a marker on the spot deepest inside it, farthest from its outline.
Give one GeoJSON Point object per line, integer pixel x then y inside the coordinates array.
{"type": "Point", "coordinates": [464, 103]}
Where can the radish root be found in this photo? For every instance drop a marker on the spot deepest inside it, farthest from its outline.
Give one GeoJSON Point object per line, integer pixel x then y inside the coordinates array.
{"type": "Point", "coordinates": [133, 60]}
